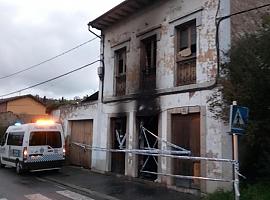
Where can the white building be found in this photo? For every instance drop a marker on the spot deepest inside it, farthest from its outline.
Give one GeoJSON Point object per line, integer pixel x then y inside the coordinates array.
{"type": "Point", "coordinates": [160, 68]}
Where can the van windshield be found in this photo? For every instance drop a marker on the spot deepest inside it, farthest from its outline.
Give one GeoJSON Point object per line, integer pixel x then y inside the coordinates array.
{"type": "Point", "coordinates": [42, 138]}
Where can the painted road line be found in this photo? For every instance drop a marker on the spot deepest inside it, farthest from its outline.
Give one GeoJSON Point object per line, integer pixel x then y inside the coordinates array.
{"type": "Point", "coordinates": [73, 195]}
{"type": "Point", "coordinates": [3, 199]}
{"type": "Point", "coordinates": [36, 197]}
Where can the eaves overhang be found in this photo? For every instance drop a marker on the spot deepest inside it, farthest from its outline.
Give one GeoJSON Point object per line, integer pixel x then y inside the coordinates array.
{"type": "Point", "coordinates": [120, 12]}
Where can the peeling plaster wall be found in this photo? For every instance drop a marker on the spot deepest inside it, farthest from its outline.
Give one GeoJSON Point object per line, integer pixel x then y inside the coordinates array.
{"type": "Point", "coordinates": [248, 22]}
{"type": "Point", "coordinates": [206, 57]}
{"type": "Point", "coordinates": [100, 159]}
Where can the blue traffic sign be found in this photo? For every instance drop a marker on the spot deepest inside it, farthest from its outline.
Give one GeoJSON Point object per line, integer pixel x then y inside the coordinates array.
{"type": "Point", "coordinates": [238, 119]}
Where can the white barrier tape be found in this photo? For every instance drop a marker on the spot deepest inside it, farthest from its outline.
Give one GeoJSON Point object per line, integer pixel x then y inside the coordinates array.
{"type": "Point", "coordinates": [121, 142]}
{"type": "Point", "coordinates": [161, 153]}
{"type": "Point", "coordinates": [189, 177]}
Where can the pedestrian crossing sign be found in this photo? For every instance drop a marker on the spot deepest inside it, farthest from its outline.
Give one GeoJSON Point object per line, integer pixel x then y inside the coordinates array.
{"type": "Point", "coordinates": [238, 119]}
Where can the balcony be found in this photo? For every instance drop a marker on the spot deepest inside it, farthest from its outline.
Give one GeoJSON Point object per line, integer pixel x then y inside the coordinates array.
{"type": "Point", "coordinates": [186, 72]}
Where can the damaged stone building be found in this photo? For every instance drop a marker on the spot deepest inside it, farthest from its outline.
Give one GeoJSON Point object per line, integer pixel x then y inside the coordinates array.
{"type": "Point", "coordinates": [159, 67]}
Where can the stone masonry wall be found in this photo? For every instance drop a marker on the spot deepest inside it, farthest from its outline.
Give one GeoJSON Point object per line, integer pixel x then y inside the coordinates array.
{"type": "Point", "coordinates": [248, 22]}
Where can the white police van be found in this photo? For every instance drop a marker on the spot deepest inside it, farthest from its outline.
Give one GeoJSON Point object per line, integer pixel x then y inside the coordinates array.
{"type": "Point", "coordinates": [33, 147]}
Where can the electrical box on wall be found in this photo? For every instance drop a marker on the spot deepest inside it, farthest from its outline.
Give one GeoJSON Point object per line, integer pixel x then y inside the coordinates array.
{"type": "Point", "coordinates": [100, 71]}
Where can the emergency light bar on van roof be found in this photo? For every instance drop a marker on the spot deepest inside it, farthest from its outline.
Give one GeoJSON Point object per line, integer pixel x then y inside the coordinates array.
{"type": "Point", "coordinates": [44, 122]}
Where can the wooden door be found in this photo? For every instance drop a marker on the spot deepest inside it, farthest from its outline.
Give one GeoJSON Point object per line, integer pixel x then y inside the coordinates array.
{"type": "Point", "coordinates": [186, 134]}
{"type": "Point", "coordinates": [82, 133]}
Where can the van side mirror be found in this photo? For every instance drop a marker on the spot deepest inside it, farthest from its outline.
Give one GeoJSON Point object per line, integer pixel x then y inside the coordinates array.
{"type": "Point", "coordinates": [2, 142]}
{"type": "Point", "coordinates": [3, 139]}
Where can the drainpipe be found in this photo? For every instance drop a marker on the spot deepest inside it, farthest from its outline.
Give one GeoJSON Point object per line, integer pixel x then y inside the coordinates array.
{"type": "Point", "coordinates": [89, 29]}
{"type": "Point", "coordinates": [101, 70]}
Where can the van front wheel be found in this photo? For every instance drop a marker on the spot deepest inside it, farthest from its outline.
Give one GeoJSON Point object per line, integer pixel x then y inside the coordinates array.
{"type": "Point", "coordinates": [19, 169]}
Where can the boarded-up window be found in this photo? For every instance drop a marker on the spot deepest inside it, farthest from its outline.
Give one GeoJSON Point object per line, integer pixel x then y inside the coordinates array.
{"type": "Point", "coordinates": [120, 72]}
{"type": "Point", "coordinates": [186, 54]}
{"type": "Point", "coordinates": [148, 62]}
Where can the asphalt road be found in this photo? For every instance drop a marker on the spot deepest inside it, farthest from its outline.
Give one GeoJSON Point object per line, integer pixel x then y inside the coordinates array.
{"type": "Point", "coordinates": [30, 187]}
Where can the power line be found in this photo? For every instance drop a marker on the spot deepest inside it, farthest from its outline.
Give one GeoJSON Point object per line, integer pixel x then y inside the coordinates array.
{"type": "Point", "coordinates": [244, 11]}
{"type": "Point", "coordinates": [45, 61]}
{"type": "Point", "coordinates": [218, 23]}
{"type": "Point", "coordinates": [52, 79]}
{"type": "Point", "coordinates": [53, 84]}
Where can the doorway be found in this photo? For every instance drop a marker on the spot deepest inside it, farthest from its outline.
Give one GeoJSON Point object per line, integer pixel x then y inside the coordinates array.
{"type": "Point", "coordinates": [118, 141]}
{"type": "Point", "coordinates": [146, 142]}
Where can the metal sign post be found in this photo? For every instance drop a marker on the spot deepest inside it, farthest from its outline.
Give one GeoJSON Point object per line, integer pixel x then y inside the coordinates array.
{"type": "Point", "coordinates": [236, 167]}
{"type": "Point", "coordinates": [235, 155]}
{"type": "Point", "coordinates": [238, 123]}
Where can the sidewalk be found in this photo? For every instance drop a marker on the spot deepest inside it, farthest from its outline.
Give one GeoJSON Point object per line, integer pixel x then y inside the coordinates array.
{"type": "Point", "coordinates": [111, 187]}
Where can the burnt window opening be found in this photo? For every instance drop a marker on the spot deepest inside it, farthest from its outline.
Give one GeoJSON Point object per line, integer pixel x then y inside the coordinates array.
{"type": "Point", "coordinates": [118, 141]}
{"type": "Point", "coordinates": [148, 62]}
{"type": "Point", "coordinates": [186, 54]}
{"type": "Point", "coordinates": [120, 72]}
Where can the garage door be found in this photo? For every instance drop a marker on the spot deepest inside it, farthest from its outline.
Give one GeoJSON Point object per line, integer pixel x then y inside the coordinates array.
{"type": "Point", "coordinates": [81, 132]}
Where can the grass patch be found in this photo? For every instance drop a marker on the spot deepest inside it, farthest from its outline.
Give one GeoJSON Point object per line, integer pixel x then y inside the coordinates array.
{"type": "Point", "coordinates": [259, 191]}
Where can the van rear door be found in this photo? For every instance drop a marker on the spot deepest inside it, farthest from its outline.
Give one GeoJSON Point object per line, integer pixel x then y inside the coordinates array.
{"type": "Point", "coordinates": [42, 143]}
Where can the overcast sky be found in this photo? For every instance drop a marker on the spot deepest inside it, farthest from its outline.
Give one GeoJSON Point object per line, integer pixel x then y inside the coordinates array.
{"type": "Point", "coordinates": [35, 30]}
